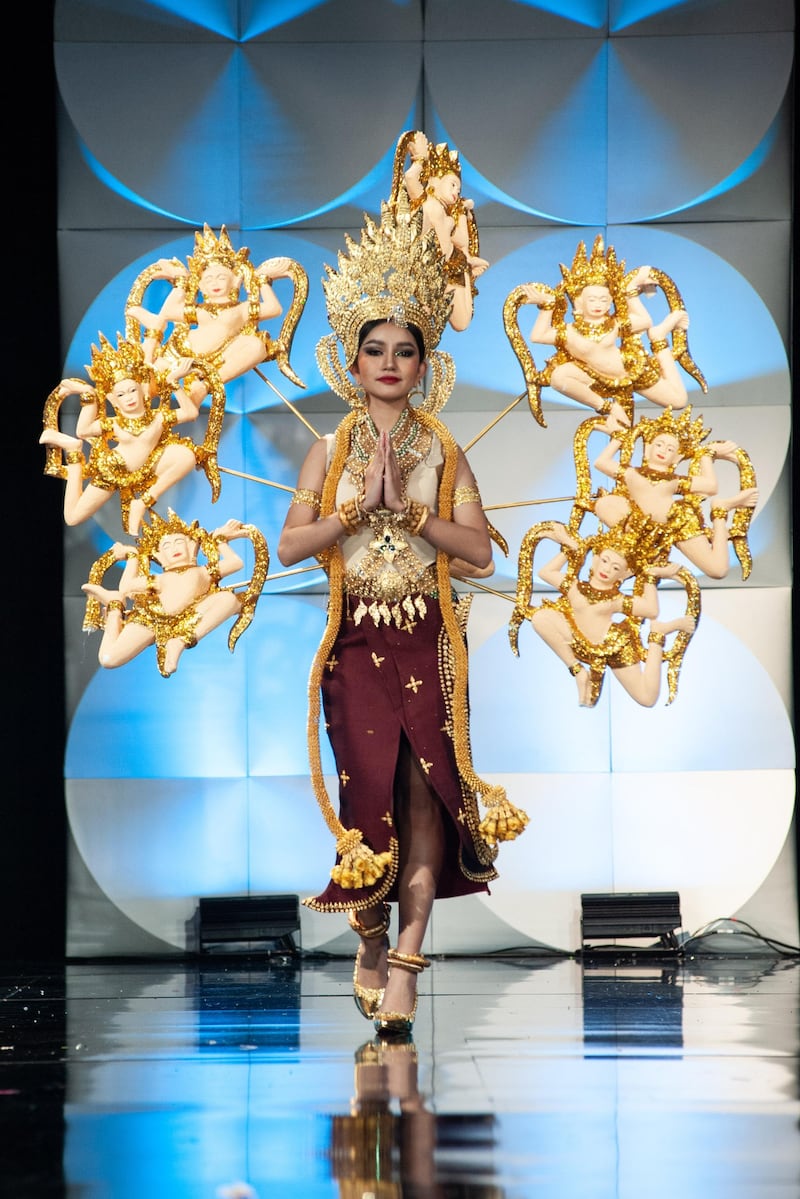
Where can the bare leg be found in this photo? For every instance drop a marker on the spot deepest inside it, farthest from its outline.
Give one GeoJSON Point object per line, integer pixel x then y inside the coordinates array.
{"type": "Point", "coordinates": [712, 558]}
{"type": "Point", "coordinates": [120, 642]}
{"type": "Point", "coordinates": [670, 390]}
{"type": "Point", "coordinates": [420, 833]}
{"type": "Point", "coordinates": [555, 632]}
{"type": "Point", "coordinates": [175, 463]}
{"type": "Point", "coordinates": [644, 683]}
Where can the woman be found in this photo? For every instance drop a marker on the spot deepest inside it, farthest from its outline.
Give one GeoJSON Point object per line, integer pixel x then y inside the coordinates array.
{"type": "Point", "coordinates": [385, 733]}
{"type": "Point", "coordinates": [388, 505]}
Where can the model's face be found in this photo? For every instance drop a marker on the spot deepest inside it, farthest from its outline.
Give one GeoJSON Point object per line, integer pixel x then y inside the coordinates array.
{"type": "Point", "coordinates": [594, 302]}
{"type": "Point", "coordinates": [175, 549]}
{"type": "Point", "coordinates": [217, 281]}
{"type": "Point", "coordinates": [127, 396]}
{"type": "Point", "coordinates": [388, 365]}
{"type": "Point", "coordinates": [663, 450]}
{"type": "Point", "coordinates": [608, 569]}
{"type": "Point", "coordinates": [446, 188]}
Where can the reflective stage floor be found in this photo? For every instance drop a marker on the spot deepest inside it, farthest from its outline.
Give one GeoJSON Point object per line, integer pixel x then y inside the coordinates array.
{"type": "Point", "coordinates": [256, 1078]}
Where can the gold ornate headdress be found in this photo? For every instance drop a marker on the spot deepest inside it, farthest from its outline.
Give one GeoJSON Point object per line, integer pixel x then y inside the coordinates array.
{"type": "Point", "coordinates": [209, 248]}
{"type": "Point", "coordinates": [110, 365]}
{"type": "Point", "coordinates": [633, 538]}
{"type": "Point", "coordinates": [601, 270]}
{"type": "Point", "coordinates": [393, 274]}
{"type": "Point", "coordinates": [440, 161]}
{"type": "Point", "coordinates": [688, 432]}
{"type": "Point", "coordinates": [157, 528]}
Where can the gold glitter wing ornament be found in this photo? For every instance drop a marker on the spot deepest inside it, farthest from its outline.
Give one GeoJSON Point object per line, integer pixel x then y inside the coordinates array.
{"type": "Point", "coordinates": [615, 374]}
{"type": "Point", "coordinates": [621, 644]}
{"type": "Point", "coordinates": [246, 298]}
{"type": "Point", "coordinates": [111, 466]}
{"type": "Point", "coordinates": [141, 599]}
{"type": "Point", "coordinates": [393, 274]}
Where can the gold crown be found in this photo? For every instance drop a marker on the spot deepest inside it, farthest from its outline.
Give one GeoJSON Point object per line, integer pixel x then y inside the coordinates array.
{"type": "Point", "coordinates": [110, 365]}
{"type": "Point", "coordinates": [209, 248]}
{"type": "Point", "coordinates": [601, 270]}
{"type": "Point", "coordinates": [641, 541]}
{"type": "Point", "coordinates": [439, 161]}
{"type": "Point", "coordinates": [688, 433]}
{"type": "Point", "coordinates": [152, 533]}
{"type": "Point", "coordinates": [394, 274]}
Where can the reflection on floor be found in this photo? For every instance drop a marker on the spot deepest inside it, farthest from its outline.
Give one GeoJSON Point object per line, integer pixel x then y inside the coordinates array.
{"type": "Point", "coordinates": [256, 1078]}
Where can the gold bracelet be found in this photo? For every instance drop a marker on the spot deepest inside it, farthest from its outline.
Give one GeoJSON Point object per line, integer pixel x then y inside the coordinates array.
{"type": "Point", "coordinates": [627, 605]}
{"type": "Point", "coordinates": [74, 457]}
{"type": "Point", "coordinates": [718, 513]}
{"type": "Point", "coordinates": [415, 517]}
{"type": "Point", "coordinates": [304, 495]}
{"type": "Point", "coordinates": [659, 344]}
{"type": "Point", "coordinates": [604, 409]}
{"type": "Point", "coordinates": [466, 495]}
{"type": "Point", "coordinates": [147, 498]}
{"type": "Point", "coordinates": [634, 291]}
{"type": "Point", "coordinates": [348, 515]}
{"type": "Point", "coordinates": [548, 307]}
{"type": "Point", "coordinates": [657, 639]}
{"type": "Point", "coordinates": [575, 669]}
{"type": "Point", "coordinates": [115, 606]}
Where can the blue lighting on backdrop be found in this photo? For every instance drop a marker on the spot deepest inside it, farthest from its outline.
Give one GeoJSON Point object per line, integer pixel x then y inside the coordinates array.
{"type": "Point", "coordinates": [745, 171]}
{"type": "Point", "coordinates": [218, 16]}
{"type": "Point", "coordinates": [591, 13]}
{"type": "Point", "coordinates": [121, 189]}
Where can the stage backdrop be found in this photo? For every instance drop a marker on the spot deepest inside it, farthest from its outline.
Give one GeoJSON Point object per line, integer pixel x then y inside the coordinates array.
{"type": "Point", "coordinates": [665, 127]}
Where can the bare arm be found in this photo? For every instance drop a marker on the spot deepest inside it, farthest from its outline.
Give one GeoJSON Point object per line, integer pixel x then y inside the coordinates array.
{"type": "Point", "coordinates": [606, 460]}
{"type": "Point", "coordinates": [304, 533]}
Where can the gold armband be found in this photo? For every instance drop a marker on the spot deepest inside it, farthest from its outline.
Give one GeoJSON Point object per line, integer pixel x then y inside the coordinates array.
{"type": "Point", "coordinates": [87, 399]}
{"type": "Point", "coordinates": [415, 517]}
{"type": "Point", "coordinates": [718, 513]}
{"type": "Point", "coordinates": [575, 669]}
{"type": "Point", "coordinates": [627, 605]}
{"type": "Point", "coordinates": [156, 335]}
{"type": "Point", "coordinates": [147, 498]}
{"type": "Point", "coordinates": [349, 516]}
{"type": "Point", "coordinates": [115, 606]}
{"type": "Point", "coordinates": [304, 495]}
{"type": "Point", "coordinates": [604, 409]}
{"type": "Point", "coordinates": [466, 495]}
{"type": "Point", "coordinates": [74, 458]}
{"type": "Point", "coordinates": [659, 344]}
{"type": "Point", "coordinates": [656, 639]}
{"type": "Point", "coordinates": [548, 306]}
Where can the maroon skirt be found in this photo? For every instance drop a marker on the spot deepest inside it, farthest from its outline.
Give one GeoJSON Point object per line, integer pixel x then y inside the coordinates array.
{"type": "Point", "coordinates": [382, 683]}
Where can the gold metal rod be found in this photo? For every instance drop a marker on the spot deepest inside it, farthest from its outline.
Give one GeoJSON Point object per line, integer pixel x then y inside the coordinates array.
{"type": "Point", "coordinates": [512, 599]}
{"type": "Point", "coordinates": [288, 403]}
{"type": "Point", "coordinates": [554, 499]}
{"type": "Point", "coordinates": [297, 570]}
{"type": "Point", "coordinates": [240, 474]}
{"type": "Point", "coordinates": [498, 418]}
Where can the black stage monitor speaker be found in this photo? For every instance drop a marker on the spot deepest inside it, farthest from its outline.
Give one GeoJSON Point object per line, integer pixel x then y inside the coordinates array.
{"type": "Point", "coordinates": [631, 915]}
{"type": "Point", "coordinates": [248, 919]}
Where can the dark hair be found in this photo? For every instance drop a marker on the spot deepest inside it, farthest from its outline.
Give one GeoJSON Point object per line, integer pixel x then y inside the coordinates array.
{"type": "Point", "coordinates": [368, 326]}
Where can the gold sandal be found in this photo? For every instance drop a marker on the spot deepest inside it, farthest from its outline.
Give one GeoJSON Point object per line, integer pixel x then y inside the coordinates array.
{"type": "Point", "coordinates": [400, 1024]}
{"type": "Point", "coordinates": [368, 999]}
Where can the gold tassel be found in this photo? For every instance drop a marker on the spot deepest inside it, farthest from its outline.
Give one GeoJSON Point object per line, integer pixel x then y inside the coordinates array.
{"type": "Point", "coordinates": [359, 866]}
{"type": "Point", "coordinates": [503, 821]}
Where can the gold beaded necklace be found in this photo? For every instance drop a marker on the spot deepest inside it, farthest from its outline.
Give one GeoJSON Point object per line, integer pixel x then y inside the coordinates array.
{"type": "Point", "coordinates": [410, 439]}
